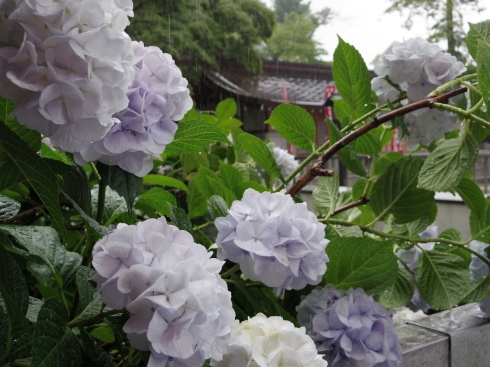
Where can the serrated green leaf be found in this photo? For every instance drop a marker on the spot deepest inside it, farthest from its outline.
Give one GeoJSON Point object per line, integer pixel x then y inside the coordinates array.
{"type": "Point", "coordinates": [395, 193]}
{"type": "Point", "coordinates": [369, 143]}
{"type": "Point", "coordinates": [231, 177]}
{"type": "Point", "coordinates": [361, 262]}
{"type": "Point", "coordinates": [442, 279]}
{"type": "Point", "coordinates": [14, 294]}
{"type": "Point", "coordinates": [75, 184]}
{"type": "Point", "coordinates": [480, 132]}
{"type": "Point", "coordinates": [479, 290]}
{"type": "Point", "coordinates": [210, 184]}
{"type": "Point", "coordinates": [295, 125]}
{"type": "Point", "coordinates": [54, 154]}
{"type": "Point", "coordinates": [180, 219]}
{"type": "Point", "coordinates": [194, 136]}
{"type": "Point", "coordinates": [88, 220]}
{"type": "Point", "coordinates": [157, 199]}
{"type": "Point", "coordinates": [333, 231]}
{"type": "Point", "coordinates": [325, 196]}
{"type": "Point", "coordinates": [8, 207]}
{"type": "Point", "coordinates": [104, 333]}
{"type": "Point", "coordinates": [401, 292]}
{"type": "Point", "coordinates": [115, 205]}
{"type": "Point", "coordinates": [347, 155]}
{"type": "Point", "coordinates": [96, 355]}
{"type": "Point", "coordinates": [451, 234]}
{"type": "Point", "coordinates": [44, 243]}
{"type": "Point", "coordinates": [35, 305]}
{"type": "Point", "coordinates": [412, 229]}
{"type": "Point", "coordinates": [164, 181]}
{"type": "Point", "coordinates": [249, 173]}
{"type": "Point", "coordinates": [196, 202]}
{"type": "Point", "coordinates": [124, 183]}
{"type": "Point", "coordinates": [35, 171]}
{"type": "Point", "coordinates": [10, 176]}
{"type": "Point", "coordinates": [226, 109]}
{"type": "Point", "coordinates": [261, 154]}
{"type": "Point", "coordinates": [217, 207]}
{"type": "Point", "coordinates": [479, 32]}
{"type": "Point", "coordinates": [53, 344]}
{"type": "Point", "coordinates": [352, 78]}
{"type": "Point", "coordinates": [483, 70]}
{"type": "Point", "coordinates": [447, 165]}
{"type": "Point", "coordinates": [87, 304]}
{"type": "Point", "coordinates": [193, 161]}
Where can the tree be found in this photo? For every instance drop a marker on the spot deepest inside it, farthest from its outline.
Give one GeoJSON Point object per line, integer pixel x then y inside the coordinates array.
{"type": "Point", "coordinates": [199, 33]}
{"type": "Point", "coordinates": [446, 15]}
{"type": "Point", "coordinates": [292, 39]}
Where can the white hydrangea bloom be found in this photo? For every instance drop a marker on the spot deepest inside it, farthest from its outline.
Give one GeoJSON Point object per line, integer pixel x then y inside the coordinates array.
{"type": "Point", "coordinates": [181, 308]}
{"type": "Point", "coordinates": [269, 342]}
{"type": "Point", "coordinates": [274, 240]}
{"type": "Point", "coordinates": [67, 66]}
{"type": "Point", "coordinates": [287, 163]}
{"type": "Point", "coordinates": [384, 90]}
{"type": "Point", "coordinates": [418, 67]}
{"type": "Point", "coordinates": [404, 315]}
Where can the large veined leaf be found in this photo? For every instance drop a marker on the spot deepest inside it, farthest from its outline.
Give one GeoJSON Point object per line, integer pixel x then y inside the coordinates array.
{"type": "Point", "coordinates": [447, 165]}
{"type": "Point", "coordinates": [157, 199]}
{"type": "Point", "coordinates": [8, 207]}
{"type": "Point", "coordinates": [194, 136]}
{"type": "Point", "coordinates": [44, 244]}
{"type": "Point", "coordinates": [396, 193]}
{"type": "Point", "coordinates": [352, 78]}
{"type": "Point", "coordinates": [401, 292]}
{"type": "Point", "coordinates": [361, 262]}
{"type": "Point", "coordinates": [326, 194]}
{"type": "Point", "coordinates": [87, 304]}
{"type": "Point", "coordinates": [295, 125]}
{"type": "Point", "coordinates": [483, 70]}
{"type": "Point", "coordinates": [53, 344]}
{"type": "Point", "coordinates": [231, 177]}
{"type": "Point", "coordinates": [226, 109]}
{"type": "Point", "coordinates": [479, 33]}
{"type": "Point", "coordinates": [164, 181]}
{"type": "Point", "coordinates": [217, 207]}
{"type": "Point", "coordinates": [196, 202]}
{"type": "Point", "coordinates": [35, 171]}
{"type": "Point", "coordinates": [210, 184]}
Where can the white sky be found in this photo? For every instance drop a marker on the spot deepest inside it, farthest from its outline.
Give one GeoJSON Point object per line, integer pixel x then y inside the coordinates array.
{"type": "Point", "coordinates": [365, 25]}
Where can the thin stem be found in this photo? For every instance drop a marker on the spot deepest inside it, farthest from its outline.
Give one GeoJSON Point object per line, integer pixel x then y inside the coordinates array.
{"type": "Point", "coordinates": [362, 201]}
{"type": "Point", "coordinates": [415, 241]}
{"type": "Point", "coordinates": [475, 107]}
{"type": "Point", "coordinates": [94, 170]}
{"type": "Point", "coordinates": [451, 84]}
{"type": "Point", "coordinates": [465, 113]}
{"type": "Point", "coordinates": [8, 358]}
{"type": "Point", "coordinates": [318, 167]}
{"type": "Point", "coordinates": [92, 319]}
{"type": "Point", "coordinates": [472, 87]}
{"type": "Point", "coordinates": [231, 271]}
{"type": "Point", "coordinates": [203, 225]}
{"type": "Point", "coordinates": [101, 202]}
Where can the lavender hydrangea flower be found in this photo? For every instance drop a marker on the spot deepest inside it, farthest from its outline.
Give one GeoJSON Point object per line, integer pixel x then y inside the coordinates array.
{"type": "Point", "coordinates": [66, 66]}
{"type": "Point", "coordinates": [181, 308]}
{"type": "Point", "coordinates": [286, 162]}
{"type": "Point", "coordinates": [269, 342]}
{"type": "Point", "coordinates": [274, 240]}
{"type": "Point", "coordinates": [418, 67]}
{"type": "Point", "coordinates": [158, 96]}
{"type": "Point", "coordinates": [350, 328]}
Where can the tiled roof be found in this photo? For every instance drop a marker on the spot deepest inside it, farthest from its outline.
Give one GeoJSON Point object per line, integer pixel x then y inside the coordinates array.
{"type": "Point", "coordinates": [304, 84]}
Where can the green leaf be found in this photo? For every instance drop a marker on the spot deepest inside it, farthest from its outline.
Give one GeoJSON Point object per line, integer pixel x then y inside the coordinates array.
{"type": "Point", "coordinates": [325, 196]}
{"type": "Point", "coordinates": [75, 184]}
{"type": "Point", "coordinates": [104, 333]}
{"type": "Point", "coordinates": [164, 181]}
{"type": "Point", "coordinates": [47, 152]}
{"type": "Point", "coordinates": [10, 175]}
{"type": "Point", "coordinates": [115, 205]}
{"type": "Point", "coordinates": [479, 290]}
{"type": "Point", "coordinates": [193, 161]}
{"type": "Point", "coordinates": [196, 202]}
{"type": "Point", "coordinates": [396, 192]}
{"type": "Point", "coordinates": [361, 262]}
{"type": "Point", "coordinates": [369, 143]}
{"type": "Point", "coordinates": [447, 165]}
{"type": "Point", "coordinates": [87, 304]}
{"type": "Point", "coordinates": [231, 177]}
{"type": "Point", "coordinates": [30, 137]}
{"type": "Point", "coordinates": [347, 155]}
{"type": "Point", "coordinates": [14, 293]}
{"type": "Point", "coordinates": [124, 183]}
{"type": "Point", "coordinates": [90, 221]}
{"type": "Point", "coordinates": [401, 292]}
{"type": "Point", "coordinates": [261, 154]}
{"type": "Point", "coordinates": [53, 344]}
{"type": "Point", "coordinates": [249, 173]}
{"type": "Point", "coordinates": [180, 219]}
{"type": "Point", "coordinates": [44, 243]}
{"type": "Point", "coordinates": [412, 229]}
{"type": "Point", "coordinates": [96, 355]}
{"type": "Point", "coordinates": [352, 78]}
{"type": "Point", "coordinates": [159, 200]}
{"type": "Point", "coordinates": [443, 279]}
{"type": "Point", "coordinates": [35, 171]}
{"type": "Point", "coordinates": [8, 207]}
{"type": "Point", "coordinates": [35, 305]}
{"type": "Point", "coordinates": [210, 184]}
{"type": "Point", "coordinates": [479, 32]}
{"type": "Point", "coordinates": [295, 125]}
{"type": "Point", "coordinates": [244, 185]}
{"type": "Point", "coordinates": [452, 234]}
{"type": "Point", "coordinates": [194, 136]}
{"type": "Point", "coordinates": [217, 207]}
{"type": "Point", "coordinates": [483, 70]}
{"type": "Point", "coordinates": [226, 109]}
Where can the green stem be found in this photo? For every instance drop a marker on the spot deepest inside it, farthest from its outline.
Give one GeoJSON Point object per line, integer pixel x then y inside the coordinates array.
{"type": "Point", "coordinates": [415, 241]}
{"type": "Point", "coordinates": [101, 202]}
{"type": "Point", "coordinates": [451, 84]}
{"type": "Point", "coordinates": [94, 170]}
{"type": "Point", "coordinates": [203, 225]}
{"type": "Point", "coordinates": [460, 111]}
{"type": "Point", "coordinates": [231, 271]}
{"type": "Point", "coordinates": [303, 164]}
{"type": "Point", "coordinates": [472, 87]}
{"type": "Point", "coordinates": [8, 358]}
{"type": "Point", "coordinates": [92, 319]}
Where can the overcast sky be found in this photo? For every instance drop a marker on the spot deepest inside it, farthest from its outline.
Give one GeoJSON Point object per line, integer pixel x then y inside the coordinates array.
{"type": "Point", "coordinates": [365, 25]}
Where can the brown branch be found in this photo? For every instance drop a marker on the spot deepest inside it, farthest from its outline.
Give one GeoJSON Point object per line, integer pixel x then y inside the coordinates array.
{"type": "Point", "coordinates": [319, 165]}
{"type": "Point", "coordinates": [362, 201]}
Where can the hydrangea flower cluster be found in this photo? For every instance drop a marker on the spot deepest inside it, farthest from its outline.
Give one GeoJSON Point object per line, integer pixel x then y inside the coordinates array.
{"type": "Point", "coordinates": [269, 342]}
{"type": "Point", "coordinates": [274, 240]}
{"type": "Point", "coordinates": [286, 162]}
{"type": "Point", "coordinates": [158, 96]}
{"type": "Point", "coordinates": [66, 65]}
{"type": "Point", "coordinates": [181, 308]}
{"type": "Point", "coordinates": [418, 67]}
{"type": "Point", "coordinates": [479, 270]}
{"type": "Point", "coordinates": [350, 328]}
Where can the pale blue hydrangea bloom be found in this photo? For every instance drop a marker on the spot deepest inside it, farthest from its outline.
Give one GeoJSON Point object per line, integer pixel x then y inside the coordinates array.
{"type": "Point", "coordinates": [350, 328]}
{"type": "Point", "coordinates": [274, 240]}
{"type": "Point", "coordinates": [181, 308]}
